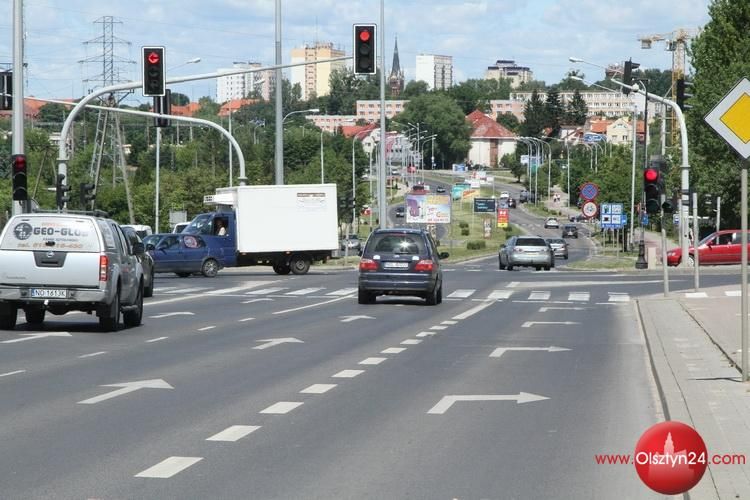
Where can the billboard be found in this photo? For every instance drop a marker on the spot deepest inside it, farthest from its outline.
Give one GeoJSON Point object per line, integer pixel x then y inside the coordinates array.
{"type": "Point", "coordinates": [428, 209]}
{"type": "Point", "coordinates": [484, 205]}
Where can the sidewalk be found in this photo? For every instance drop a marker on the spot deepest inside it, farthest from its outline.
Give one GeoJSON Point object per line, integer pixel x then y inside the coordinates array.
{"type": "Point", "coordinates": [690, 342]}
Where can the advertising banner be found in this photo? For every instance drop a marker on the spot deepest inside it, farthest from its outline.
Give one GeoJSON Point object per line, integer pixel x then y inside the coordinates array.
{"type": "Point", "coordinates": [428, 209]}
{"type": "Point", "coordinates": [503, 216]}
{"type": "Point", "coordinates": [484, 206]}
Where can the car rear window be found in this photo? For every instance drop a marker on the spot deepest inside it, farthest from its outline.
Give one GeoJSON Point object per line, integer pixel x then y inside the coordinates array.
{"type": "Point", "coordinates": [70, 234]}
{"type": "Point", "coordinates": [396, 243]}
{"type": "Point", "coordinates": [531, 242]}
{"type": "Point", "coordinates": [558, 241]}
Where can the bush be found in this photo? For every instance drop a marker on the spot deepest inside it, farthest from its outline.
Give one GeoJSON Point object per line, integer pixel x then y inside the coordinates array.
{"type": "Point", "coordinates": [476, 245]}
{"type": "Point", "coordinates": [463, 225]}
{"type": "Point", "coordinates": [465, 231]}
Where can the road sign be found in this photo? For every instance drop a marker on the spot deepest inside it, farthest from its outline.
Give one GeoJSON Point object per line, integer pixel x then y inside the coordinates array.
{"type": "Point", "coordinates": [729, 118]}
{"type": "Point", "coordinates": [644, 220]}
{"type": "Point", "coordinates": [676, 219]}
{"type": "Point", "coordinates": [589, 209]}
{"type": "Point", "coordinates": [484, 205]}
{"type": "Point", "coordinates": [612, 216]}
{"type": "Point", "coordinates": [589, 191]}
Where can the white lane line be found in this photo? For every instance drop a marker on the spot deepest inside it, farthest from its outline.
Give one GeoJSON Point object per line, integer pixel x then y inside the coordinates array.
{"type": "Point", "coordinates": [265, 291]}
{"type": "Point", "coordinates": [157, 339]}
{"type": "Point", "coordinates": [246, 319]}
{"type": "Point", "coordinates": [500, 294]}
{"type": "Point", "coordinates": [513, 284]}
{"type": "Point", "coordinates": [448, 322]}
{"type": "Point", "coordinates": [318, 389]}
{"type": "Point", "coordinates": [539, 296]}
{"type": "Point", "coordinates": [282, 407]}
{"type": "Point", "coordinates": [247, 285]}
{"type": "Point", "coordinates": [425, 334]}
{"type": "Point", "coordinates": [92, 354]}
{"type": "Point", "coordinates": [8, 374]}
{"type": "Point", "coordinates": [169, 314]}
{"type": "Point", "coordinates": [257, 300]}
{"type": "Point", "coordinates": [393, 350]}
{"type": "Point", "coordinates": [169, 467]}
{"type": "Point", "coordinates": [733, 293]}
{"type": "Point", "coordinates": [618, 297]}
{"type": "Point", "coordinates": [473, 310]}
{"type": "Point", "coordinates": [189, 290]}
{"type": "Point", "coordinates": [438, 327]}
{"type": "Point", "coordinates": [206, 328]}
{"type": "Point", "coordinates": [304, 291]}
{"type": "Point", "coordinates": [692, 295]}
{"type": "Point", "coordinates": [371, 361]}
{"type": "Point", "coordinates": [411, 342]}
{"type": "Point", "coordinates": [311, 305]}
{"type": "Point", "coordinates": [579, 296]}
{"type": "Point", "coordinates": [343, 291]}
{"type": "Point", "coordinates": [234, 433]}
{"type": "Point", "coordinates": [462, 293]}
{"type": "Point", "coordinates": [347, 373]}
{"type": "Point", "coordinates": [165, 289]}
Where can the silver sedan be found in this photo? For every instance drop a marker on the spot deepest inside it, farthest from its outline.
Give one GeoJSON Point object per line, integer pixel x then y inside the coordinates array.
{"type": "Point", "coordinates": [529, 251]}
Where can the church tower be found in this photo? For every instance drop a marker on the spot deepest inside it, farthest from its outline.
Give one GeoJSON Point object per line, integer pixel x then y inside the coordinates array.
{"type": "Point", "coordinates": [396, 78]}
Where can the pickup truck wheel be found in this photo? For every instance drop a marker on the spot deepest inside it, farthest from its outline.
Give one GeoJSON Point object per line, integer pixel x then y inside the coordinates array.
{"type": "Point", "coordinates": [281, 269]}
{"type": "Point", "coordinates": [34, 316]}
{"type": "Point", "coordinates": [134, 317]}
{"type": "Point", "coordinates": [8, 319]}
{"type": "Point", "coordinates": [300, 265]}
{"type": "Point", "coordinates": [110, 322]}
{"type": "Point", "coordinates": [210, 268]}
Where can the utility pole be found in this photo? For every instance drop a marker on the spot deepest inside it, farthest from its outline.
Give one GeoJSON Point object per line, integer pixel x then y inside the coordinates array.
{"type": "Point", "coordinates": [279, 164]}
{"type": "Point", "coordinates": [18, 122]}
{"type": "Point", "coordinates": [382, 201]}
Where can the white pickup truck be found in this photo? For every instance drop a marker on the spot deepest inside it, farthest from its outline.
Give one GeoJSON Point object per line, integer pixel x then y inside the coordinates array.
{"type": "Point", "coordinates": [60, 262]}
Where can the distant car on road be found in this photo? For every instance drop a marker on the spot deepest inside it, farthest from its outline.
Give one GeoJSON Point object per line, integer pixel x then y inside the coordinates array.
{"type": "Point", "coordinates": [529, 251]}
{"type": "Point", "coordinates": [400, 212]}
{"type": "Point", "coordinates": [511, 203]}
{"type": "Point", "coordinates": [440, 189]}
{"type": "Point", "coordinates": [551, 223]}
{"type": "Point", "coordinates": [570, 231]}
{"type": "Point", "coordinates": [352, 242]}
{"type": "Point", "coordinates": [401, 261]}
{"type": "Point", "coordinates": [559, 246]}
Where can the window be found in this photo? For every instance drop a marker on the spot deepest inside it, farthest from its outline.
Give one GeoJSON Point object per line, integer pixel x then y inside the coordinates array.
{"type": "Point", "coordinates": [398, 243]}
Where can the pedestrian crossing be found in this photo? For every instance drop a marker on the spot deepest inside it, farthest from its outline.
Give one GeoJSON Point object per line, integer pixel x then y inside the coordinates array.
{"type": "Point", "coordinates": [513, 294]}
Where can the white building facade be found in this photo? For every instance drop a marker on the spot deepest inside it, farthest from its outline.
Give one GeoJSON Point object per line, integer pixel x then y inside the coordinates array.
{"type": "Point", "coordinates": [435, 70]}
{"type": "Point", "coordinates": [240, 86]}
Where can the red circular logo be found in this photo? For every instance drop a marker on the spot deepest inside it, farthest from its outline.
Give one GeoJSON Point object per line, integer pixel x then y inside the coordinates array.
{"type": "Point", "coordinates": [670, 457]}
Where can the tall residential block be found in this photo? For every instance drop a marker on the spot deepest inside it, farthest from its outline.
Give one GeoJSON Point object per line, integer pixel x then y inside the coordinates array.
{"type": "Point", "coordinates": [314, 78]}
{"type": "Point", "coordinates": [435, 70]}
{"type": "Point", "coordinates": [241, 86]}
{"type": "Point", "coordinates": [505, 68]}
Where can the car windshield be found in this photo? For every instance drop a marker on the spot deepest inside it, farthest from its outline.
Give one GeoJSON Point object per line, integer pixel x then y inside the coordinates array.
{"type": "Point", "coordinates": [202, 224]}
{"type": "Point", "coordinates": [556, 241]}
{"type": "Point", "coordinates": [530, 242]}
{"type": "Point", "coordinates": [396, 243]}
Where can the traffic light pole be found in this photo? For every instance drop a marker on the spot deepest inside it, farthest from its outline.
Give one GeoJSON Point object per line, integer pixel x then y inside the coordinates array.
{"type": "Point", "coordinates": [18, 115]}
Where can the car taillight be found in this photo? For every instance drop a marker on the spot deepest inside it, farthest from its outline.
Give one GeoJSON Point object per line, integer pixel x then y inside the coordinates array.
{"type": "Point", "coordinates": [518, 250]}
{"type": "Point", "coordinates": [424, 265]}
{"type": "Point", "coordinates": [368, 265]}
{"type": "Point", "coordinates": [103, 267]}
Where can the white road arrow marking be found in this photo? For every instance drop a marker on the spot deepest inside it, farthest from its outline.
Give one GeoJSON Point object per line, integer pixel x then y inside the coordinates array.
{"type": "Point", "coordinates": [126, 387]}
{"type": "Point", "coordinates": [349, 319]}
{"type": "Point", "coordinates": [167, 315]}
{"type": "Point", "coordinates": [545, 309]}
{"type": "Point", "coordinates": [531, 323]}
{"type": "Point", "coordinates": [500, 350]}
{"type": "Point", "coordinates": [447, 401]}
{"type": "Point", "coordinates": [32, 336]}
{"type": "Point", "coordinates": [275, 342]}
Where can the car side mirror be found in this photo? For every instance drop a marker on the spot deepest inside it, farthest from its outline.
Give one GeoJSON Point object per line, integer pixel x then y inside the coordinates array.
{"type": "Point", "coordinates": [443, 255]}
{"type": "Point", "coordinates": [138, 248]}
{"type": "Point", "coordinates": [150, 247]}
{"type": "Point", "coordinates": [709, 244]}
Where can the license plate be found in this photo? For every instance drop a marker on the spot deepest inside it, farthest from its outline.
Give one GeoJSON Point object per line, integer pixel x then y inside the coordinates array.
{"type": "Point", "coordinates": [395, 265]}
{"type": "Point", "coordinates": [43, 293]}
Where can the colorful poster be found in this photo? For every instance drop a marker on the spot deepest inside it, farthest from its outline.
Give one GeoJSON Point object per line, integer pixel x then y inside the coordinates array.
{"type": "Point", "coordinates": [502, 217]}
{"type": "Point", "coordinates": [428, 209]}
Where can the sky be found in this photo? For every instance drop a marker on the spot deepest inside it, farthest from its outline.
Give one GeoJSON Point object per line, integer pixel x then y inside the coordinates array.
{"type": "Point", "coordinates": [61, 35]}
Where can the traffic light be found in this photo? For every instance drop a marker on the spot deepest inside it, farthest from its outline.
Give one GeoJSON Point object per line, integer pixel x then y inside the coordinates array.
{"type": "Point", "coordinates": [20, 193]}
{"type": "Point", "coordinates": [6, 86]}
{"type": "Point", "coordinates": [153, 71]}
{"type": "Point", "coordinates": [61, 192]}
{"type": "Point", "coordinates": [87, 194]}
{"type": "Point", "coordinates": [682, 86]}
{"type": "Point", "coordinates": [364, 49]}
{"type": "Point", "coordinates": [163, 105]}
{"type": "Point", "coordinates": [627, 75]}
{"type": "Point", "coordinates": [652, 189]}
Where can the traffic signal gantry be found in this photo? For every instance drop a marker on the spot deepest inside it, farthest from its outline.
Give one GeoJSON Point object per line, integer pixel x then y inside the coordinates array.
{"type": "Point", "coordinates": [364, 49]}
{"type": "Point", "coordinates": [20, 191]}
{"type": "Point", "coordinates": [154, 74]}
{"type": "Point", "coordinates": [61, 192]}
{"type": "Point", "coordinates": [627, 75]}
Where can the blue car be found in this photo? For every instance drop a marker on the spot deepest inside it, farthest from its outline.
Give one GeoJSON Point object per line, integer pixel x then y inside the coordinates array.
{"type": "Point", "coordinates": [184, 254]}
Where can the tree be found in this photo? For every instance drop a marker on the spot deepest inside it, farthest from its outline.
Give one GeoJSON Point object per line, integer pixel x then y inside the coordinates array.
{"type": "Point", "coordinates": [477, 93]}
{"type": "Point", "coordinates": [554, 112]}
{"type": "Point", "coordinates": [513, 163]}
{"type": "Point", "coordinates": [534, 116]}
{"type": "Point", "coordinates": [415, 88]}
{"type": "Point", "coordinates": [178, 99]}
{"type": "Point", "coordinates": [577, 110]}
{"type": "Point", "coordinates": [509, 121]}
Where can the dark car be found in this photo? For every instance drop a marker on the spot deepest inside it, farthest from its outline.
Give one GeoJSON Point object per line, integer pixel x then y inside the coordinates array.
{"type": "Point", "coordinates": [440, 190]}
{"type": "Point", "coordinates": [146, 260]}
{"type": "Point", "coordinates": [529, 251]}
{"type": "Point", "coordinates": [570, 231]}
{"type": "Point", "coordinates": [511, 203]}
{"type": "Point", "coordinates": [184, 254]}
{"type": "Point", "coordinates": [401, 261]}
{"type": "Point", "coordinates": [400, 211]}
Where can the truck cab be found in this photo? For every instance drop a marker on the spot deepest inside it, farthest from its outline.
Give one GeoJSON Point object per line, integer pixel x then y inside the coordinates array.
{"type": "Point", "coordinates": [209, 225]}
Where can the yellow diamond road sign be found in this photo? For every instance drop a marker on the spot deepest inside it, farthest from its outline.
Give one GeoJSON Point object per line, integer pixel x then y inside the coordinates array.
{"type": "Point", "coordinates": [731, 118]}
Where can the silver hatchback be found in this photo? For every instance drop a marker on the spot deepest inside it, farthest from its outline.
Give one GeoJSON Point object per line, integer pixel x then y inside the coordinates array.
{"type": "Point", "coordinates": [528, 251]}
{"type": "Point", "coordinates": [559, 246]}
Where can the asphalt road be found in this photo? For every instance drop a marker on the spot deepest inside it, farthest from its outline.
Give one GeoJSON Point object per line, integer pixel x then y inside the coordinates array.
{"type": "Point", "coordinates": [348, 404]}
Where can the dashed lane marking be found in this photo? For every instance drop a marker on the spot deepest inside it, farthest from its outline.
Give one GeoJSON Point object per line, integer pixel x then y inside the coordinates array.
{"type": "Point", "coordinates": [462, 293]}
{"type": "Point", "coordinates": [347, 373]}
{"type": "Point", "coordinates": [157, 339]}
{"type": "Point", "coordinates": [411, 342]}
{"type": "Point", "coordinates": [234, 433]}
{"type": "Point", "coordinates": [206, 328]}
{"type": "Point", "coordinates": [438, 327]}
{"type": "Point", "coordinates": [169, 467]}
{"type": "Point", "coordinates": [8, 374]}
{"type": "Point", "coordinates": [282, 407]}
{"type": "Point", "coordinates": [91, 355]}
{"type": "Point", "coordinates": [394, 350]}
{"type": "Point", "coordinates": [318, 389]}
{"type": "Point", "coordinates": [425, 334]}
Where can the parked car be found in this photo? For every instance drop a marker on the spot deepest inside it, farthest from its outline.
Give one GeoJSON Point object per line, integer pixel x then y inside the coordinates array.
{"type": "Point", "coordinates": [185, 254]}
{"type": "Point", "coordinates": [719, 247]}
{"type": "Point", "coordinates": [529, 251]}
{"type": "Point", "coordinates": [352, 242]}
{"type": "Point", "coordinates": [559, 246]}
{"type": "Point", "coordinates": [400, 211]}
{"type": "Point", "coordinates": [401, 261]}
{"type": "Point", "coordinates": [570, 231]}
{"type": "Point", "coordinates": [59, 262]}
{"type": "Point", "coordinates": [551, 223]}
{"type": "Point", "coordinates": [145, 258]}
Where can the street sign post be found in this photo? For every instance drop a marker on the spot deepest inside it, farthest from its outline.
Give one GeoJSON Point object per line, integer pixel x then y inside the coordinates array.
{"type": "Point", "coordinates": [729, 120]}
{"type": "Point", "coordinates": [589, 209]}
{"type": "Point", "coordinates": [589, 191]}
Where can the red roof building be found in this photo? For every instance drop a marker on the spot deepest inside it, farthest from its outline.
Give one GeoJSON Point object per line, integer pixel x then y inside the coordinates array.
{"type": "Point", "coordinates": [490, 141]}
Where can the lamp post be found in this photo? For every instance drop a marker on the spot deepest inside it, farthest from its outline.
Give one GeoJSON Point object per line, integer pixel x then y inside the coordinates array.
{"type": "Point", "coordinates": [279, 167]}
{"type": "Point", "coordinates": [322, 164]}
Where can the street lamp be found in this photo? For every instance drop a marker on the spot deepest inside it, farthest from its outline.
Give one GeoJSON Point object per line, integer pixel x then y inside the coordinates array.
{"type": "Point", "coordinates": [280, 142]}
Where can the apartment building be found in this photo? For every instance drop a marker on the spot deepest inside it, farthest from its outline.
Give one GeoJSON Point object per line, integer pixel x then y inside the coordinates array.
{"type": "Point", "coordinates": [506, 68]}
{"type": "Point", "coordinates": [240, 86]}
{"type": "Point", "coordinates": [435, 70]}
{"type": "Point", "coordinates": [502, 106]}
{"type": "Point", "coordinates": [369, 110]}
{"type": "Point", "coordinates": [332, 123]}
{"type": "Point", "coordinates": [603, 103]}
{"type": "Point", "coordinates": [314, 78]}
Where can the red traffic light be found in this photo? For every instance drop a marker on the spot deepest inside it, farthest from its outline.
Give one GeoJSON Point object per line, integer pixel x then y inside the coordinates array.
{"type": "Point", "coordinates": [153, 57]}
{"type": "Point", "coordinates": [651, 175]}
{"type": "Point", "coordinates": [19, 163]}
{"type": "Point", "coordinates": [364, 35]}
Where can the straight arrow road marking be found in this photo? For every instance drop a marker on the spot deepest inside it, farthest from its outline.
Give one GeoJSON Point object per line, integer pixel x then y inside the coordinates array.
{"type": "Point", "coordinates": [531, 323]}
{"type": "Point", "coordinates": [501, 350]}
{"type": "Point", "coordinates": [349, 319]}
{"type": "Point", "coordinates": [168, 315]}
{"type": "Point", "coordinates": [32, 336]}
{"type": "Point", "coordinates": [169, 467]}
{"type": "Point", "coordinates": [447, 401]}
{"type": "Point", "coordinates": [126, 387]}
{"type": "Point", "coordinates": [233, 433]}
{"type": "Point", "coordinates": [275, 342]}
{"type": "Point", "coordinates": [545, 309]}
